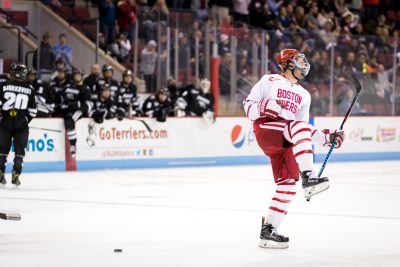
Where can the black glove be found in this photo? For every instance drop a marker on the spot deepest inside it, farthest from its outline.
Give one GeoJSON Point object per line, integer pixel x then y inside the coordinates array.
{"type": "Point", "coordinates": [161, 115]}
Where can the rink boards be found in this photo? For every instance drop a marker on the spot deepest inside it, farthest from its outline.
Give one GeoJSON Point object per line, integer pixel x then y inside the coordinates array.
{"type": "Point", "coordinates": [191, 142]}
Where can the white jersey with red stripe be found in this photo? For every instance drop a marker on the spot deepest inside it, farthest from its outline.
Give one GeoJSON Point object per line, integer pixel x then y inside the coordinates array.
{"type": "Point", "coordinates": [294, 99]}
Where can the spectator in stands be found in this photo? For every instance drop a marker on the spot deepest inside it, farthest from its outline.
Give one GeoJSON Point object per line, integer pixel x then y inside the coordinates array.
{"type": "Point", "coordinates": [226, 26]}
{"type": "Point", "coordinates": [345, 104]}
{"type": "Point", "coordinates": [219, 9]}
{"type": "Point", "coordinates": [46, 56]}
{"type": "Point", "coordinates": [91, 80]}
{"type": "Point", "coordinates": [241, 10]}
{"type": "Point", "coordinates": [152, 18]}
{"type": "Point", "coordinates": [256, 9]}
{"type": "Point", "coordinates": [108, 15]}
{"type": "Point", "coordinates": [224, 46]}
{"type": "Point", "coordinates": [63, 51]}
{"type": "Point", "coordinates": [328, 34]}
{"type": "Point", "coordinates": [102, 44]}
{"type": "Point", "coordinates": [338, 71]}
{"type": "Point", "coordinates": [120, 48]}
{"type": "Point", "coordinates": [312, 18]}
{"type": "Point", "coordinates": [275, 6]}
{"type": "Point", "coordinates": [200, 9]}
{"type": "Point", "coordinates": [283, 19]}
{"type": "Point", "coordinates": [127, 18]}
{"type": "Point", "coordinates": [299, 17]}
{"type": "Point", "coordinates": [318, 105]}
{"type": "Point", "coordinates": [269, 19]}
{"type": "Point", "coordinates": [148, 62]}
{"type": "Point", "coordinates": [158, 106]}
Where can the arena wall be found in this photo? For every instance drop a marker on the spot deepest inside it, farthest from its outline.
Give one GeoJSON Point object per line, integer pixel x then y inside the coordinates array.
{"type": "Point", "coordinates": [191, 142]}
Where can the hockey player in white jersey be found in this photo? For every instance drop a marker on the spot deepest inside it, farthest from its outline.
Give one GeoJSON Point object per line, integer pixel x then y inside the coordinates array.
{"type": "Point", "coordinates": [279, 108]}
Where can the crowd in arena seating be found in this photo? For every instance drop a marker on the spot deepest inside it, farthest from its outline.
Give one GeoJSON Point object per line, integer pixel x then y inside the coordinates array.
{"type": "Point", "coordinates": [360, 31]}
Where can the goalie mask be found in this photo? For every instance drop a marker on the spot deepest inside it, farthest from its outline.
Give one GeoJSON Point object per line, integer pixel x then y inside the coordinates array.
{"type": "Point", "coordinates": [292, 59]}
{"type": "Point", "coordinates": [205, 85]}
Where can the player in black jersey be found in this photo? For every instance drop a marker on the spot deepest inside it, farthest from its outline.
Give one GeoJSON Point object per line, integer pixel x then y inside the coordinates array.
{"type": "Point", "coordinates": [58, 86]}
{"type": "Point", "coordinates": [104, 107]}
{"type": "Point", "coordinates": [18, 107]}
{"type": "Point", "coordinates": [127, 101]}
{"type": "Point", "coordinates": [44, 94]}
{"type": "Point", "coordinates": [196, 102]}
{"type": "Point", "coordinates": [108, 73]}
{"type": "Point", "coordinates": [76, 103]}
{"type": "Point", "coordinates": [158, 105]}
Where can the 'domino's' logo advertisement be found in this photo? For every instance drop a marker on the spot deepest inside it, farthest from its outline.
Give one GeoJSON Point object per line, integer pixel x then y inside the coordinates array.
{"type": "Point", "coordinates": [43, 143]}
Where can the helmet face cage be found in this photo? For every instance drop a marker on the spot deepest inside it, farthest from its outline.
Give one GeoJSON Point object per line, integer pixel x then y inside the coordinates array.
{"type": "Point", "coordinates": [205, 85]}
{"type": "Point", "coordinates": [18, 72]}
{"type": "Point", "coordinates": [301, 63]}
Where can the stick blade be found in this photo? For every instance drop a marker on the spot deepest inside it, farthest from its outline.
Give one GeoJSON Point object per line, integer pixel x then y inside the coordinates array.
{"type": "Point", "coordinates": [352, 78]}
{"type": "Point", "coordinates": [10, 216]}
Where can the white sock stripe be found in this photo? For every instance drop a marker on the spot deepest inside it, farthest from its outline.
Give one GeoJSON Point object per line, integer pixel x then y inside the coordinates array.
{"type": "Point", "coordinates": [287, 188]}
{"type": "Point", "coordinates": [301, 146]}
{"type": "Point", "coordinates": [275, 123]}
{"type": "Point", "coordinates": [284, 196]}
{"type": "Point", "coordinates": [271, 128]}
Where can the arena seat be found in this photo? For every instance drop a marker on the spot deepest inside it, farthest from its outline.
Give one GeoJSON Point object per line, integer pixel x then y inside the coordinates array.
{"type": "Point", "coordinates": [81, 12]}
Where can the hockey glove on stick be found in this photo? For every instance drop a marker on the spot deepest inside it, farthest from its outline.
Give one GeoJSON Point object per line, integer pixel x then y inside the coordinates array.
{"type": "Point", "coordinates": [269, 108]}
{"type": "Point", "coordinates": [337, 135]}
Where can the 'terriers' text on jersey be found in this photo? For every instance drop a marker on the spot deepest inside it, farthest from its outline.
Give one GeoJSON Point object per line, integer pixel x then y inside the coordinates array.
{"type": "Point", "coordinates": [19, 96]}
{"type": "Point", "coordinates": [294, 99]}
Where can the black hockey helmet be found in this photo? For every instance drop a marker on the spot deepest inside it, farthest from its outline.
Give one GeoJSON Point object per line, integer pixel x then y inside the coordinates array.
{"type": "Point", "coordinates": [105, 87]}
{"type": "Point", "coordinates": [163, 91]}
{"type": "Point", "coordinates": [78, 71]}
{"type": "Point", "coordinates": [18, 71]}
{"type": "Point", "coordinates": [107, 67]}
{"type": "Point", "coordinates": [32, 71]}
{"type": "Point", "coordinates": [31, 75]}
{"type": "Point", "coordinates": [61, 69]}
{"type": "Point", "coordinates": [127, 72]}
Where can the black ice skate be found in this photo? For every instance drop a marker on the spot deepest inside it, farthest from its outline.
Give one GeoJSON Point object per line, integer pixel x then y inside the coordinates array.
{"type": "Point", "coordinates": [269, 238]}
{"type": "Point", "coordinates": [313, 185]}
{"type": "Point", "coordinates": [2, 179]}
{"type": "Point", "coordinates": [15, 179]}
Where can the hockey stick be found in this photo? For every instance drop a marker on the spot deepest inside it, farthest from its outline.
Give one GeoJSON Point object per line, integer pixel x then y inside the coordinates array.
{"type": "Point", "coordinates": [10, 216]}
{"type": "Point", "coordinates": [356, 84]}
{"type": "Point", "coordinates": [45, 129]}
{"type": "Point", "coordinates": [148, 128]}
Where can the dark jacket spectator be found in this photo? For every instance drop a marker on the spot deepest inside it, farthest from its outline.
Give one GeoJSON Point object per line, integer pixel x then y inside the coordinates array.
{"type": "Point", "coordinates": [108, 15]}
{"type": "Point", "coordinates": [46, 57]}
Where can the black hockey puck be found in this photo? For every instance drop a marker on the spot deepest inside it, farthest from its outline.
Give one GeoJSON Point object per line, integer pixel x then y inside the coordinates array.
{"type": "Point", "coordinates": [116, 250]}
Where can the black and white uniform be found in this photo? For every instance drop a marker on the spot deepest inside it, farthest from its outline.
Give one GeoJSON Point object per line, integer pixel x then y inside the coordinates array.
{"type": "Point", "coordinates": [76, 103]}
{"type": "Point", "coordinates": [104, 109]}
{"type": "Point", "coordinates": [127, 100]}
{"type": "Point", "coordinates": [44, 98]}
{"type": "Point", "coordinates": [113, 87]}
{"type": "Point", "coordinates": [195, 102]}
{"type": "Point", "coordinates": [153, 108]}
{"type": "Point", "coordinates": [58, 87]}
{"type": "Point", "coordinates": [17, 108]}
{"type": "Point", "coordinates": [3, 78]}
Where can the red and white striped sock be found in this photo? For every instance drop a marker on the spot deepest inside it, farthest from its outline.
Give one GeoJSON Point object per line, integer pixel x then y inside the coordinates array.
{"type": "Point", "coordinates": [299, 134]}
{"type": "Point", "coordinates": [284, 194]}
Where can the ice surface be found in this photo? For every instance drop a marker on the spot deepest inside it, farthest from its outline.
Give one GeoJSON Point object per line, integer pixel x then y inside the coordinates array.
{"type": "Point", "coordinates": [200, 217]}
